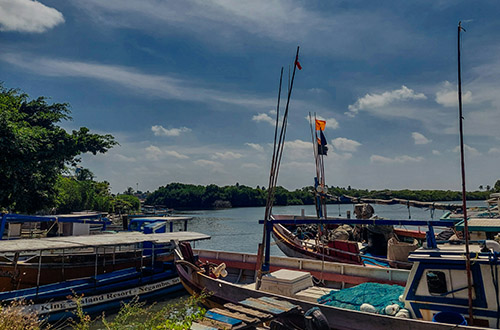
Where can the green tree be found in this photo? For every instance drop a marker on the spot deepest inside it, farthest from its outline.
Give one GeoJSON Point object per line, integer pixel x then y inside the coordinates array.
{"type": "Point", "coordinates": [129, 191]}
{"type": "Point", "coordinates": [128, 202]}
{"type": "Point", "coordinates": [35, 149]}
{"type": "Point", "coordinates": [84, 174]}
{"type": "Point", "coordinates": [497, 186]}
{"type": "Point", "coordinates": [78, 195]}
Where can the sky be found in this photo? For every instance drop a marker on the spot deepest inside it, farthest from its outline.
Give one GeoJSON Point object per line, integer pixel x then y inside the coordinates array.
{"type": "Point", "coordinates": [189, 88]}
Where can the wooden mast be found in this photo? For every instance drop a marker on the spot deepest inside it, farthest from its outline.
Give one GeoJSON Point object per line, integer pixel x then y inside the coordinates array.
{"type": "Point", "coordinates": [464, 197]}
{"type": "Point", "coordinates": [264, 247]}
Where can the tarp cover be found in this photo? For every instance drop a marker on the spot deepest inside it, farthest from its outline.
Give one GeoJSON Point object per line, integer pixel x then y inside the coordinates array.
{"type": "Point", "coordinates": [376, 294]}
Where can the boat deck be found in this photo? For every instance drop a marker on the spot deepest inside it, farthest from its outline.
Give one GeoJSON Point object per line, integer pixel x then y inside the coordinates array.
{"type": "Point", "coordinates": [250, 313]}
{"type": "Point", "coordinates": [312, 293]}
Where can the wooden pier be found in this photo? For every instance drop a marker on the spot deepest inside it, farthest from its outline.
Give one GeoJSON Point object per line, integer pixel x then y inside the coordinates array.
{"type": "Point", "coordinates": [250, 313]}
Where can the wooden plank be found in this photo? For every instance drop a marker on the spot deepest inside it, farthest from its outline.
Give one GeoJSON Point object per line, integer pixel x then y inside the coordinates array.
{"type": "Point", "coordinates": [260, 305]}
{"type": "Point", "coordinates": [248, 311]}
{"type": "Point", "coordinates": [279, 303]}
{"type": "Point", "coordinates": [222, 318]}
{"type": "Point", "coordinates": [236, 315]}
{"type": "Point", "coordinates": [215, 324]}
{"type": "Point", "coordinates": [198, 326]}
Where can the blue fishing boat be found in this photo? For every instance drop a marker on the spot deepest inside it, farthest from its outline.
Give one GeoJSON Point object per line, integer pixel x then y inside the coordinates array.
{"type": "Point", "coordinates": [152, 275]}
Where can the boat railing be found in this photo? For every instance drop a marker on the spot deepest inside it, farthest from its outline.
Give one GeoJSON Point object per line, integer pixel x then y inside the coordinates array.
{"type": "Point", "coordinates": [90, 219]}
{"type": "Point", "coordinates": [325, 248]}
{"type": "Point", "coordinates": [431, 239]}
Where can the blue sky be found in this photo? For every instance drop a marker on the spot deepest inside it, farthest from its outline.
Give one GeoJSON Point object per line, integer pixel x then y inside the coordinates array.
{"type": "Point", "coordinates": [188, 88]}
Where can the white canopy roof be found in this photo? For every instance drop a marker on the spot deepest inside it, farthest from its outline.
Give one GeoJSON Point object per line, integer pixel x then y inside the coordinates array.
{"type": "Point", "coordinates": [105, 239]}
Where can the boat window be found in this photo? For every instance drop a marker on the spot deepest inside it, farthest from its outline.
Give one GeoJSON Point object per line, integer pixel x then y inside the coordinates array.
{"type": "Point", "coordinates": [436, 282]}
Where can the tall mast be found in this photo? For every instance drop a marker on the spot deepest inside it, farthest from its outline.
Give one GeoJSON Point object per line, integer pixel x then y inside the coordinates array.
{"type": "Point", "coordinates": [464, 199]}
{"type": "Point", "coordinates": [279, 144]}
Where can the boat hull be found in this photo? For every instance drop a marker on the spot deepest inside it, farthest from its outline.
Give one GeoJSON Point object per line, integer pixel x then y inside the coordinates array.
{"type": "Point", "coordinates": [25, 274]}
{"type": "Point", "coordinates": [223, 291]}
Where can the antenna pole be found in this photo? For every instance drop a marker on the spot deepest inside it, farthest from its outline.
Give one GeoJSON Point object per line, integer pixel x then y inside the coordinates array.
{"type": "Point", "coordinates": [464, 197]}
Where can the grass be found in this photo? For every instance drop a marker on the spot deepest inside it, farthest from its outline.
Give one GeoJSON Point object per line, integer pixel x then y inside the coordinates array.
{"type": "Point", "coordinates": [133, 315]}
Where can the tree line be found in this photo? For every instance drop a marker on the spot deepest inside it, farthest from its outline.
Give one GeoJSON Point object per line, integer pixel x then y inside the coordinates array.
{"type": "Point", "coordinates": [189, 196]}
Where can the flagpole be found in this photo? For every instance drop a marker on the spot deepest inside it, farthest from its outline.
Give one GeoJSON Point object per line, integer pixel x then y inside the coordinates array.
{"type": "Point", "coordinates": [464, 197]}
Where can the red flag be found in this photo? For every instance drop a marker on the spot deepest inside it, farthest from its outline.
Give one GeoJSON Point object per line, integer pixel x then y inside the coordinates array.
{"type": "Point", "coordinates": [298, 65]}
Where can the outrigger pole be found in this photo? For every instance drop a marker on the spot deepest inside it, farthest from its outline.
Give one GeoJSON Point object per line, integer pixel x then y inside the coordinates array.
{"type": "Point", "coordinates": [273, 176]}
{"type": "Point", "coordinates": [464, 197]}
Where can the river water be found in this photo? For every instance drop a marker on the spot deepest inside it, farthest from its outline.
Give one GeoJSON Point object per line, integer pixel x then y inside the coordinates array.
{"type": "Point", "coordinates": [238, 229]}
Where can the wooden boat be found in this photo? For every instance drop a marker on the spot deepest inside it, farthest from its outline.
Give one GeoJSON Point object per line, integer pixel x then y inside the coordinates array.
{"type": "Point", "coordinates": [152, 275]}
{"type": "Point", "coordinates": [26, 268]}
{"type": "Point", "coordinates": [420, 297]}
{"type": "Point", "coordinates": [347, 251]}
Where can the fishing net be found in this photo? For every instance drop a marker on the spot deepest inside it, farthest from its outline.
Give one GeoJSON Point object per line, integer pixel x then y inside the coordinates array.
{"type": "Point", "coordinates": [376, 294]}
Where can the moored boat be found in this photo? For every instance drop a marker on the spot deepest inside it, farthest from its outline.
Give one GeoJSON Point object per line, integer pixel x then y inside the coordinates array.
{"type": "Point", "coordinates": [423, 296]}
{"type": "Point", "coordinates": [150, 274]}
{"type": "Point", "coordinates": [84, 255]}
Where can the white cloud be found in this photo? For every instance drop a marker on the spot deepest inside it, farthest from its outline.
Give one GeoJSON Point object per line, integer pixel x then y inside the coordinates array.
{"type": "Point", "coordinates": [298, 150]}
{"type": "Point", "coordinates": [468, 150]}
{"type": "Point", "coordinates": [208, 163]}
{"type": "Point", "coordinates": [398, 159]}
{"type": "Point", "coordinates": [494, 150]}
{"type": "Point", "coordinates": [255, 146]}
{"type": "Point", "coordinates": [436, 152]}
{"type": "Point", "coordinates": [420, 138]}
{"type": "Point", "coordinates": [344, 144]}
{"type": "Point", "coordinates": [28, 16]}
{"type": "Point", "coordinates": [379, 100]}
{"type": "Point", "coordinates": [175, 154]}
{"type": "Point", "coordinates": [227, 155]}
{"type": "Point", "coordinates": [330, 122]}
{"type": "Point", "coordinates": [233, 25]}
{"type": "Point", "coordinates": [298, 144]}
{"type": "Point", "coordinates": [165, 87]}
{"type": "Point", "coordinates": [447, 96]}
{"type": "Point", "coordinates": [155, 153]}
{"type": "Point", "coordinates": [159, 130]}
{"type": "Point", "coordinates": [265, 118]}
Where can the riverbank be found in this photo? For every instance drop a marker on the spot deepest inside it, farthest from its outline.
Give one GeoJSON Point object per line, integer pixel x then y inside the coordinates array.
{"type": "Point", "coordinates": [196, 197]}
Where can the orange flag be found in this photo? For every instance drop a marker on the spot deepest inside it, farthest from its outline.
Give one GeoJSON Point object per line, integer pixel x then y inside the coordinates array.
{"type": "Point", "coordinates": [320, 125]}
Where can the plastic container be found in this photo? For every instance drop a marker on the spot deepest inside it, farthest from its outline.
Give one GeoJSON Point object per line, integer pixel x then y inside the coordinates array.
{"type": "Point", "coordinates": [450, 318]}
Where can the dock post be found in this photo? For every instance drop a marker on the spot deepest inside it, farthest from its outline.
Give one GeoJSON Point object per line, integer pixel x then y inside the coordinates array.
{"type": "Point", "coordinates": [96, 256]}
{"type": "Point", "coordinates": [39, 271]}
{"type": "Point", "coordinates": [62, 270]}
{"type": "Point", "coordinates": [267, 256]}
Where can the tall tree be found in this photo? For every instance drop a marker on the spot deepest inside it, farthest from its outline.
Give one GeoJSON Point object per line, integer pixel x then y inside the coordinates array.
{"type": "Point", "coordinates": [34, 149]}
